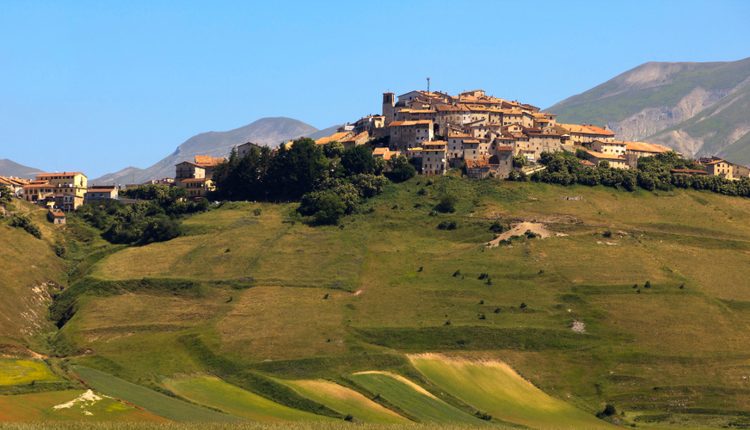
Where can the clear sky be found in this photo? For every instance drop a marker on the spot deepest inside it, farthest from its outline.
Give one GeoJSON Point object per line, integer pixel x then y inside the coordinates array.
{"type": "Point", "coordinates": [101, 85]}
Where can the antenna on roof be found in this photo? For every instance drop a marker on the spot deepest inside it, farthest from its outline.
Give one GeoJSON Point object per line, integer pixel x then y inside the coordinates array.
{"type": "Point", "coordinates": [428, 84]}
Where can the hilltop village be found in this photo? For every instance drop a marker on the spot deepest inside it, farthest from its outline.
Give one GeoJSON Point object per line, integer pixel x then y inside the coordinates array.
{"type": "Point", "coordinates": [481, 135]}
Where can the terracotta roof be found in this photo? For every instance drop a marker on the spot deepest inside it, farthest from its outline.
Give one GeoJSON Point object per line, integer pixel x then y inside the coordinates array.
{"type": "Point", "coordinates": [363, 135]}
{"type": "Point", "coordinates": [57, 213]}
{"type": "Point", "coordinates": [451, 108]}
{"type": "Point", "coordinates": [587, 163]}
{"type": "Point", "coordinates": [504, 148]}
{"type": "Point", "coordinates": [603, 156]}
{"type": "Point", "coordinates": [586, 129]}
{"type": "Point", "coordinates": [48, 175]}
{"type": "Point", "coordinates": [646, 147]}
{"type": "Point", "coordinates": [207, 160]}
{"type": "Point", "coordinates": [194, 180]}
{"type": "Point", "coordinates": [409, 110]}
{"type": "Point", "coordinates": [410, 123]}
{"type": "Point", "coordinates": [716, 161]}
{"type": "Point", "coordinates": [335, 137]}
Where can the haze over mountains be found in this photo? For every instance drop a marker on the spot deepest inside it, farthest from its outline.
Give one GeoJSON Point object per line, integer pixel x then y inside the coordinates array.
{"type": "Point", "coordinates": [265, 131]}
{"type": "Point", "coordinates": [700, 109]}
{"type": "Point", "coordinates": [11, 168]}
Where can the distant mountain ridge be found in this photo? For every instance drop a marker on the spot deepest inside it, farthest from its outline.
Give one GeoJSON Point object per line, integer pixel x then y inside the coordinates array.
{"type": "Point", "coordinates": [265, 131]}
{"type": "Point", "coordinates": [11, 168]}
{"type": "Point", "coordinates": [696, 108]}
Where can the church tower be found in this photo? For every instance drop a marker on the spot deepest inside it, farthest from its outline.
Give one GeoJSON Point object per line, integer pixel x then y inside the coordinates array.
{"type": "Point", "coordinates": [389, 107]}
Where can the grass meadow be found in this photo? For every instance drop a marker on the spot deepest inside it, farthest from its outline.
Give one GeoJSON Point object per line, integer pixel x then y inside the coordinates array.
{"type": "Point", "coordinates": [276, 320]}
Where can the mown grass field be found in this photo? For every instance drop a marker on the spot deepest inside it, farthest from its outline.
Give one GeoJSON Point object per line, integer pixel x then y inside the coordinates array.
{"type": "Point", "coordinates": [19, 372]}
{"type": "Point", "coordinates": [414, 400]}
{"type": "Point", "coordinates": [498, 390]}
{"type": "Point", "coordinates": [284, 306]}
{"type": "Point", "coordinates": [346, 401]}
{"type": "Point", "coordinates": [152, 401]}
{"type": "Point", "coordinates": [40, 407]}
{"type": "Point", "coordinates": [214, 392]}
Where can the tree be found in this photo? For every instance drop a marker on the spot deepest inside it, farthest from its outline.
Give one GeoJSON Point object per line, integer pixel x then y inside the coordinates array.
{"type": "Point", "coordinates": [324, 207]}
{"type": "Point", "coordinates": [296, 171]}
{"type": "Point", "coordinates": [358, 160]}
{"type": "Point", "coordinates": [447, 204]}
{"type": "Point", "coordinates": [5, 195]}
{"type": "Point", "coordinates": [400, 169]}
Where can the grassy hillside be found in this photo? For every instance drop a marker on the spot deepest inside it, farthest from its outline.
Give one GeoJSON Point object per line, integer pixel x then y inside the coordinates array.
{"type": "Point", "coordinates": [31, 272]}
{"type": "Point", "coordinates": [270, 306]}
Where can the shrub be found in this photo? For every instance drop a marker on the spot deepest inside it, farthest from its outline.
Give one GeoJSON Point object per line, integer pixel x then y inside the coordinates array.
{"type": "Point", "coordinates": [447, 225]}
{"type": "Point", "coordinates": [530, 234]}
{"type": "Point", "coordinates": [400, 169]}
{"type": "Point", "coordinates": [257, 211]}
{"type": "Point", "coordinates": [523, 306]}
{"type": "Point", "coordinates": [607, 234]}
{"type": "Point", "coordinates": [447, 204]}
{"type": "Point", "coordinates": [368, 185]}
{"type": "Point", "coordinates": [608, 411]}
{"type": "Point", "coordinates": [647, 284]}
{"type": "Point", "coordinates": [324, 207]}
{"type": "Point", "coordinates": [23, 222]}
{"type": "Point", "coordinates": [483, 416]}
{"type": "Point", "coordinates": [60, 250]}
{"type": "Point", "coordinates": [457, 273]}
{"type": "Point", "coordinates": [421, 192]}
{"type": "Point", "coordinates": [496, 227]}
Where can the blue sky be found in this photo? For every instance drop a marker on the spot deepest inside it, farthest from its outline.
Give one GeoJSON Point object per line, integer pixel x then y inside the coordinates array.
{"type": "Point", "coordinates": [100, 85]}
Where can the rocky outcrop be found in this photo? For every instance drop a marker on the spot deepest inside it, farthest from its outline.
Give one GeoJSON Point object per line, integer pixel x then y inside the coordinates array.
{"type": "Point", "coordinates": [695, 108]}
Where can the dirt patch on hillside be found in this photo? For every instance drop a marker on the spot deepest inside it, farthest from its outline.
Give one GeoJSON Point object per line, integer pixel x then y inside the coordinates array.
{"type": "Point", "coordinates": [521, 229]}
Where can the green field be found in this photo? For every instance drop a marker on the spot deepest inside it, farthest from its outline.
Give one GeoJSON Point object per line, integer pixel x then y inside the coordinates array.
{"type": "Point", "coordinates": [495, 388]}
{"type": "Point", "coordinates": [414, 400]}
{"type": "Point", "coordinates": [62, 406]}
{"type": "Point", "coordinates": [215, 393]}
{"type": "Point", "coordinates": [149, 400]}
{"type": "Point", "coordinates": [345, 401]}
{"type": "Point", "coordinates": [293, 313]}
{"type": "Point", "coordinates": [17, 372]}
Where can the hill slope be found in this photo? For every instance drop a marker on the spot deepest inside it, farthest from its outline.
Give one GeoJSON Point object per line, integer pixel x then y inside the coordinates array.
{"type": "Point", "coordinates": [696, 108]}
{"type": "Point", "coordinates": [31, 273]}
{"type": "Point", "coordinates": [265, 131]}
{"type": "Point", "coordinates": [245, 297]}
{"type": "Point", "coordinates": [11, 168]}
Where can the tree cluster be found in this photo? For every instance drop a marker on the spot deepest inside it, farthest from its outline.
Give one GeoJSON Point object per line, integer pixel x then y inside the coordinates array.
{"type": "Point", "coordinates": [153, 218]}
{"type": "Point", "coordinates": [328, 180]}
{"type": "Point", "coordinates": [653, 173]}
{"type": "Point", "coordinates": [25, 223]}
{"type": "Point", "coordinates": [5, 196]}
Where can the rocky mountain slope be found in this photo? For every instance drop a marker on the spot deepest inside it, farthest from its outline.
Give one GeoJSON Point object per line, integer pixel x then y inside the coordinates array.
{"type": "Point", "coordinates": [696, 108]}
{"type": "Point", "coordinates": [11, 168]}
{"type": "Point", "coordinates": [265, 131]}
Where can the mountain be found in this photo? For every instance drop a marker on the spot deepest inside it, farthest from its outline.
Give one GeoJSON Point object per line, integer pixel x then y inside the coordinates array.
{"type": "Point", "coordinates": [696, 108]}
{"type": "Point", "coordinates": [265, 131]}
{"type": "Point", "coordinates": [11, 168]}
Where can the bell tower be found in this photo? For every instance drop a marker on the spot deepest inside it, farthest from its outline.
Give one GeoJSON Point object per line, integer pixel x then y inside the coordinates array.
{"type": "Point", "coordinates": [389, 107]}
